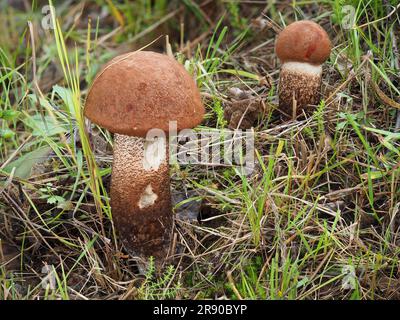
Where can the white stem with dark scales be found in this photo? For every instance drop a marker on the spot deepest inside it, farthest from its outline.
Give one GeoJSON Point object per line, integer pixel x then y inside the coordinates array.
{"type": "Point", "coordinates": [140, 196]}
{"type": "Point", "coordinates": [299, 86]}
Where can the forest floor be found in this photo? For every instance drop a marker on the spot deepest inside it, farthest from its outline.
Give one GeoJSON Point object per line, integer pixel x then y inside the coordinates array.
{"type": "Point", "coordinates": [318, 218]}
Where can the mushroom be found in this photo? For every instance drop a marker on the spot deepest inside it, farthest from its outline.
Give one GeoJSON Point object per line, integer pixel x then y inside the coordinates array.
{"type": "Point", "coordinates": [8, 257]}
{"type": "Point", "coordinates": [302, 47]}
{"type": "Point", "coordinates": [134, 93]}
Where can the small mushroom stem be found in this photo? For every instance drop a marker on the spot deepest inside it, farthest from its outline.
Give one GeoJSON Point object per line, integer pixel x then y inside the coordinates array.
{"type": "Point", "coordinates": [299, 86]}
{"type": "Point", "coordinates": [140, 196]}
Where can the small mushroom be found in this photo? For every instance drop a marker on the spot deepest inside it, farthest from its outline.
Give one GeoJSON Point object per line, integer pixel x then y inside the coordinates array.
{"type": "Point", "coordinates": [134, 93]}
{"type": "Point", "coordinates": [302, 47]}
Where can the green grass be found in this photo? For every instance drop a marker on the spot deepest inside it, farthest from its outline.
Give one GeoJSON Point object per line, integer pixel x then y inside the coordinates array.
{"type": "Point", "coordinates": [321, 205]}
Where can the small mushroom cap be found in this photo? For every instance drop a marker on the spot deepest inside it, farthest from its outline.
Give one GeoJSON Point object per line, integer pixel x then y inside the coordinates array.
{"type": "Point", "coordinates": [142, 90]}
{"type": "Point", "coordinates": [303, 41]}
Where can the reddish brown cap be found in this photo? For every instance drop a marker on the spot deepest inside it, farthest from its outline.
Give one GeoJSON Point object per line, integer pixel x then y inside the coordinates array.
{"type": "Point", "coordinates": [142, 90]}
{"type": "Point", "coordinates": [303, 41]}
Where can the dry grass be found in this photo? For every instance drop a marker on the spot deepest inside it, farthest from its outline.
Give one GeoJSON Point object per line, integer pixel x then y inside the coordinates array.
{"type": "Point", "coordinates": [318, 217]}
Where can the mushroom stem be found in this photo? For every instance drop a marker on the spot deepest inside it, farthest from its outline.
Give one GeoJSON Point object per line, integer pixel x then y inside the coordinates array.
{"type": "Point", "coordinates": [140, 196]}
{"type": "Point", "coordinates": [299, 82]}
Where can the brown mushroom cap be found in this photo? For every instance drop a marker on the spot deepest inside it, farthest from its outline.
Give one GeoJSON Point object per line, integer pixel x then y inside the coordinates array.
{"type": "Point", "coordinates": [303, 41]}
{"type": "Point", "coordinates": [142, 90]}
